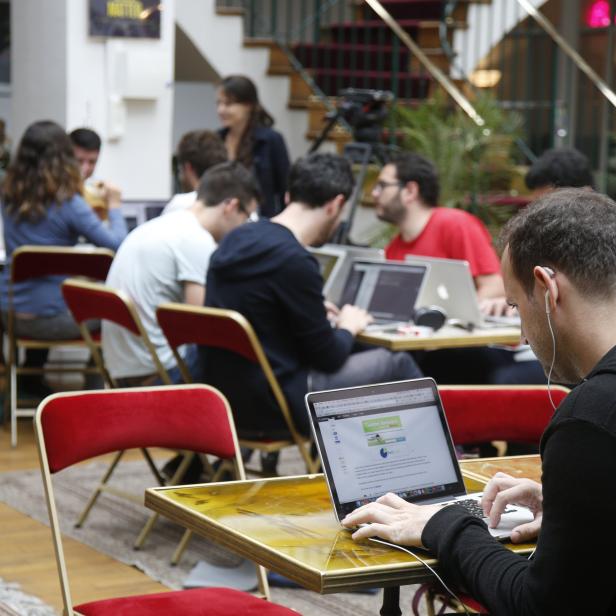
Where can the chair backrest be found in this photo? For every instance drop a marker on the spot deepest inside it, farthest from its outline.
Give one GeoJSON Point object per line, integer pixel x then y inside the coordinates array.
{"type": "Point", "coordinates": [35, 261]}
{"type": "Point", "coordinates": [76, 426]}
{"type": "Point", "coordinates": [214, 327]}
{"type": "Point", "coordinates": [89, 300]}
{"type": "Point", "coordinates": [222, 329]}
{"type": "Point", "coordinates": [518, 413]}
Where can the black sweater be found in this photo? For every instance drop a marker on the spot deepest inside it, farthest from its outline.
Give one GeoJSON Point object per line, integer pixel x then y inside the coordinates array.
{"type": "Point", "coordinates": [264, 273]}
{"type": "Point", "coordinates": [574, 568]}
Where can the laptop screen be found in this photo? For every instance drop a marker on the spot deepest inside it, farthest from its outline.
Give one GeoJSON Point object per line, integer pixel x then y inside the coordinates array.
{"type": "Point", "coordinates": [384, 438]}
{"type": "Point", "coordinates": [387, 290]}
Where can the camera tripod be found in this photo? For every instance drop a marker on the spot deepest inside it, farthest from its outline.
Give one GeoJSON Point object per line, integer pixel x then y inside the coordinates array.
{"type": "Point", "coordinates": [363, 111]}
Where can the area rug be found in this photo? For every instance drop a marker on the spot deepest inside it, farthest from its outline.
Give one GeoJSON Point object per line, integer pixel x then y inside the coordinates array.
{"type": "Point", "coordinates": [15, 602]}
{"type": "Point", "coordinates": [114, 524]}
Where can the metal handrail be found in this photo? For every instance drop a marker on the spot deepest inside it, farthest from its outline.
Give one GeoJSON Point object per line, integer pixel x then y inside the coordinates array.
{"type": "Point", "coordinates": [577, 59]}
{"type": "Point", "coordinates": [436, 72]}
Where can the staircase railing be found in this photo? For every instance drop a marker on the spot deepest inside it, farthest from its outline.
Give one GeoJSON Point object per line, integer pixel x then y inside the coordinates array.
{"type": "Point", "coordinates": [537, 70]}
{"type": "Point", "coordinates": [388, 57]}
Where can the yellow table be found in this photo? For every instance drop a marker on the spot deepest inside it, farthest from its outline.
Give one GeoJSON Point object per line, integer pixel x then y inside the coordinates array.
{"type": "Point", "coordinates": [445, 338]}
{"type": "Point", "coordinates": [287, 524]}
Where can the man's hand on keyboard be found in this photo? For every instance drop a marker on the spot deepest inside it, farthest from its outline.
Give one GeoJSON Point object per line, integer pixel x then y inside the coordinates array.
{"type": "Point", "coordinates": [391, 518]}
{"type": "Point", "coordinates": [503, 490]}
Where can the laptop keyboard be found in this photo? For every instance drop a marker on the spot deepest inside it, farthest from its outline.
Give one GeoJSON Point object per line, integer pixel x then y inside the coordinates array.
{"type": "Point", "coordinates": [474, 507]}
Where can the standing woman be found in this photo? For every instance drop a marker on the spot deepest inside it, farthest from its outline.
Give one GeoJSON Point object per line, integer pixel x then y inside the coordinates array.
{"type": "Point", "coordinates": [42, 205]}
{"type": "Point", "coordinates": [250, 139]}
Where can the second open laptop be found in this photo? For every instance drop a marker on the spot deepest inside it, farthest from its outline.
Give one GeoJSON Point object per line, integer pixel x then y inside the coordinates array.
{"type": "Point", "coordinates": [392, 437]}
{"type": "Point", "coordinates": [388, 290]}
{"type": "Point", "coordinates": [450, 286]}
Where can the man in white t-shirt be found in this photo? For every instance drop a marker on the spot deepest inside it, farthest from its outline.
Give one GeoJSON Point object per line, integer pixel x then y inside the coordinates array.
{"type": "Point", "coordinates": [166, 260]}
{"type": "Point", "coordinates": [197, 151]}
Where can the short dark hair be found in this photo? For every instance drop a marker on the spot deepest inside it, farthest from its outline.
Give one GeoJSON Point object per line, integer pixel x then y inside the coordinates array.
{"type": "Point", "coordinates": [86, 139]}
{"type": "Point", "coordinates": [571, 230]}
{"type": "Point", "coordinates": [560, 168]}
{"type": "Point", "coordinates": [318, 178]}
{"type": "Point", "coordinates": [202, 149]}
{"type": "Point", "coordinates": [230, 180]}
{"type": "Point", "coordinates": [411, 167]}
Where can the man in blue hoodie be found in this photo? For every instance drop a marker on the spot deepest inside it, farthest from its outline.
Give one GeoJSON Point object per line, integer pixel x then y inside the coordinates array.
{"type": "Point", "coordinates": [264, 271]}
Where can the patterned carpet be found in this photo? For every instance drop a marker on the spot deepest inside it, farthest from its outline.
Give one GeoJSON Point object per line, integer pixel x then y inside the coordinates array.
{"type": "Point", "coordinates": [114, 524]}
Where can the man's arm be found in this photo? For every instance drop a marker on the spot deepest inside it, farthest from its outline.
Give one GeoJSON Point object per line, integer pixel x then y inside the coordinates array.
{"type": "Point", "coordinates": [579, 504]}
{"type": "Point", "coordinates": [489, 286]}
{"type": "Point", "coordinates": [194, 293]}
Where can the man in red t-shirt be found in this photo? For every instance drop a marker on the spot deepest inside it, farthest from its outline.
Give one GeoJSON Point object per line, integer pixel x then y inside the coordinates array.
{"type": "Point", "coordinates": [406, 195]}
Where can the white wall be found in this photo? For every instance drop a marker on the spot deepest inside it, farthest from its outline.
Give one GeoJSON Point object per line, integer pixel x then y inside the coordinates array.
{"type": "Point", "coordinates": [219, 39]}
{"type": "Point", "coordinates": [38, 62]}
{"type": "Point", "coordinates": [60, 72]}
{"type": "Point", "coordinates": [194, 108]}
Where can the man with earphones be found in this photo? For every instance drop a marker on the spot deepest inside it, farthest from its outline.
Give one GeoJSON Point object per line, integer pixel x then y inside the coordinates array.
{"type": "Point", "coordinates": [559, 269]}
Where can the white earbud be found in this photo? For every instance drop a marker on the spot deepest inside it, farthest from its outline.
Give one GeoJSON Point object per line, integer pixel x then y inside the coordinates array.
{"type": "Point", "coordinates": [550, 272]}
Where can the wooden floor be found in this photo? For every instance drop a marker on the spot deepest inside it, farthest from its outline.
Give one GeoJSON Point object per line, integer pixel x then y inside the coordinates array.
{"type": "Point", "coordinates": [27, 557]}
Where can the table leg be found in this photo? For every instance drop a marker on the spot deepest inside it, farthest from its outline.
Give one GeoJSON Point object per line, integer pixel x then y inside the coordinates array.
{"type": "Point", "coordinates": [391, 601]}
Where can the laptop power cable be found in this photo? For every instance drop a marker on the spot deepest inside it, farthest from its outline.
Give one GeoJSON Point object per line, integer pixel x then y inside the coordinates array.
{"type": "Point", "coordinates": [425, 564]}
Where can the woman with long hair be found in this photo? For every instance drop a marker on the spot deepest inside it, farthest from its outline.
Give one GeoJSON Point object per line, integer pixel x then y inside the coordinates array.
{"type": "Point", "coordinates": [42, 205]}
{"type": "Point", "coordinates": [250, 139]}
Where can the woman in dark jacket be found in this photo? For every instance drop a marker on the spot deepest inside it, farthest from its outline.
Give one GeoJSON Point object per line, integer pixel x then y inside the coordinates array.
{"type": "Point", "coordinates": [249, 138]}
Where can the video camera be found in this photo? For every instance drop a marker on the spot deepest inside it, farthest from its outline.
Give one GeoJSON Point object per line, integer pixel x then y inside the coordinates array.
{"type": "Point", "coordinates": [365, 111]}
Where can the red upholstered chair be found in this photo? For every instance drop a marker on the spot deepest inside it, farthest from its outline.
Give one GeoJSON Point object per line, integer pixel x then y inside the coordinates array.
{"type": "Point", "coordinates": [72, 427]}
{"type": "Point", "coordinates": [27, 263]}
{"type": "Point", "coordinates": [227, 329]}
{"type": "Point", "coordinates": [87, 301]}
{"type": "Point", "coordinates": [478, 414]}
{"type": "Point", "coordinates": [513, 413]}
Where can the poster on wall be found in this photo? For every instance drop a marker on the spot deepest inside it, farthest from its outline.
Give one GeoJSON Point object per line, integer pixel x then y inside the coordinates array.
{"type": "Point", "coordinates": [125, 18]}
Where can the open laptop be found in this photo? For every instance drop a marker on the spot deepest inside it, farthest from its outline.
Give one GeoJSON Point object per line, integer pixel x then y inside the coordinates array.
{"type": "Point", "coordinates": [450, 286]}
{"type": "Point", "coordinates": [330, 262]}
{"type": "Point", "coordinates": [392, 437]}
{"type": "Point", "coordinates": [335, 283]}
{"type": "Point", "coordinates": [388, 290]}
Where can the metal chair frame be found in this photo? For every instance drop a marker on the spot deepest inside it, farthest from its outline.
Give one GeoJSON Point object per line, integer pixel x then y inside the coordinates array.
{"type": "Point", "coordinates": [50, 260]}
{"type": "Point", "coordinates": [72, 289]}
{"type": "Point", "coordinates": [48, 485]}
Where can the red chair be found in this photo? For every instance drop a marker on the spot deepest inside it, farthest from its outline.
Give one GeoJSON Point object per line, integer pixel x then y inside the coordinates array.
{"type": "Point", "coordinates": [479, 414]}
{"type": "Point", "coordinates": [72, 427]}
{"type": "Point", "coordinates": [88, 301]}
{"type": "Point", "coordinates": [27, 263]}
{"type": "Point", "coordinates": [227, 329]}
{"type": "Point", "coordinates": [513, 413]}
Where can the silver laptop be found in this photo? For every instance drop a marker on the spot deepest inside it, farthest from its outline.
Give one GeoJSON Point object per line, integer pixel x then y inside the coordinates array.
{"type": "Point", "coordinates": [388, 290]}
{"type": "Point", "coordinates": [392, 437]}
{"type": "Point", "coordinates": [335, 283]}
{"type": "Point", "coordinates": [450, 286]}
{"type": "Point", "coordinates": [330, 261]}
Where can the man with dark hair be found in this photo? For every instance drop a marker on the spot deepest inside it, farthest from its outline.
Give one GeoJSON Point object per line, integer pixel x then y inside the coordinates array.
{"type": "Point", "coordinates": [100, 195]}
{"type": "Point", "coordinates": [197, 151]}
{"type": "Point", "coordinates": [559, 168]}
{"type": "Point", "coordinates": [166, 260]}
{"type": "Point", "coordinates": [406, 195]}
{"type": "Point", "coordinates": [264, 271]}
{"type": "Point", "coordinates": [559, 268]}
{"type": "Point", "coordinates": [87, 146]}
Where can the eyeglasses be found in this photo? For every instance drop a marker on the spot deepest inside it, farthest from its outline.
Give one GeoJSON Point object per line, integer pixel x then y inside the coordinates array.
{"type": "Point", "coordinates": [382, 185]}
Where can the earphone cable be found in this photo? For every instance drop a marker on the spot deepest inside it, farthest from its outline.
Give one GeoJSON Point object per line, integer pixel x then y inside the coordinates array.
{"type": "Point", "coordinates": [553, 359]}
